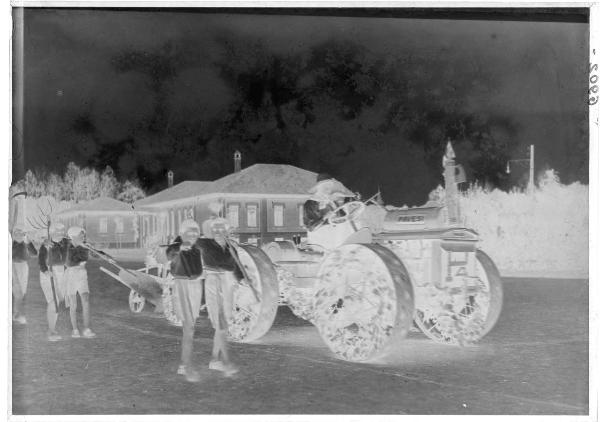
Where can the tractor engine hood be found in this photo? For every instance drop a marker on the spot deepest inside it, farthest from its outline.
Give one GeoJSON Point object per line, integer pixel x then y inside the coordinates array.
{"type": "Point", "coordinates": [413, 219]}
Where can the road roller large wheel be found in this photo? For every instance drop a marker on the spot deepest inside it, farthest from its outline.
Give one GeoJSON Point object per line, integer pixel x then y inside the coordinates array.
{"type": "Point", "coordinates": [466, 312]}
{"type": "Point", "coordinates": [251, 319]}
{"type": "Point", "coordinates": [363, 302]}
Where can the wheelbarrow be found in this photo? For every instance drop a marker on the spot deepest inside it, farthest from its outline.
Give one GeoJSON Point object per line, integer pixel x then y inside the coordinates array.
{"type": "Point", "coordinates": [144, 287]}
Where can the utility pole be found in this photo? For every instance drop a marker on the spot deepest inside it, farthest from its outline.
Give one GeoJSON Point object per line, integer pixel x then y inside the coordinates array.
{"type": "Point", "coordinates": [530, 160]}
{"type": "Point", "coordinates": [531, 173]}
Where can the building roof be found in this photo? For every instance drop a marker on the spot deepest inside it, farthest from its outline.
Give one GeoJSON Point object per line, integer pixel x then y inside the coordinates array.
{"type": "Point", "coordinates": [266, 179]}
{"type": "Point", "coordinates": [189, 188]}
{"type": "Point", "coordinates": [261, 179]}
{"type": "Point", "coordinates": [103, 203]}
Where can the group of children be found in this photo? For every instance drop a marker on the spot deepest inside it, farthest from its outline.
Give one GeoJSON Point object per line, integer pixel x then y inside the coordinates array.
{"type": "Point", "coordinates": [199, 266]}
{"type": "Point", "coordinates": [62, 261]}
{"type": "Point", "coordinates": [194, 259]}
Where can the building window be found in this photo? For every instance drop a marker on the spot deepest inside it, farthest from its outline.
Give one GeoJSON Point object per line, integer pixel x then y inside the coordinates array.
{"type": "Point", "coordinates": [251, 213]}
{"type": "Point", "coordinates": [119, 225]}
{"type": "Point", "coordinates": [300, 215]}
{"type": "Point", "coordinates": [278, 215]}
{"type": "Point", "coordinates": [103, 225]}
{"type": "Point", "coordinates": [233, 215]}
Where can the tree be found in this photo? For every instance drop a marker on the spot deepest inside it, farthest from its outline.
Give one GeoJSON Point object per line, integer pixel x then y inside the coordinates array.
{"type": "Point", "coordinates": [130, 192]}
{"type": "Point", "coordinates": [78, 184]}
{"type": "Point", "coordinates": [109, 185]}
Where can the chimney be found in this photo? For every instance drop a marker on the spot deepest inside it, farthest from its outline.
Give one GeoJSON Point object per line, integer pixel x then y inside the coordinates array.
{"type": "Point", "coordinates": [169, 179]}
{"type": "Point", "coordinates": [237, 161]}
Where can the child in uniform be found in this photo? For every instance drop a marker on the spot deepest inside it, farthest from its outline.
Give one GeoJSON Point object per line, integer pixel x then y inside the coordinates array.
{"type": "Point", "coordinates": [221, 275]}
{"type": "Point", "coordinates": [22, 250]}
{"type": "Point", "coordinates": [76, 281]}
{"type": "Point", "coordinates": [186, 269]}
{"type": "Point", "coordinates": [51, 259]}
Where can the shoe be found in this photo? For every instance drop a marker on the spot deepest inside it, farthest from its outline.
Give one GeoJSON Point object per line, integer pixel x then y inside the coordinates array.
{"type": "Point", "coordinates": [191, 375]}
{"type": "Point", "coordinates": [75, 334]}
{"type": "Point", "coordinates": [54, 337]}
{"type": "Point", "coordinates": [230, 369]}
{"type": "Point", "coordinates": [216, 365]}
{"type": "Point", "coordinates": [87, 333]}
{"type": "Point", "coordinates": [20, 320]}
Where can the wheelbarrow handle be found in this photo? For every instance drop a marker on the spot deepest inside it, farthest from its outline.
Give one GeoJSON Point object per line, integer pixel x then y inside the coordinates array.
{"type": "Point", "coordinates": [106, 257]}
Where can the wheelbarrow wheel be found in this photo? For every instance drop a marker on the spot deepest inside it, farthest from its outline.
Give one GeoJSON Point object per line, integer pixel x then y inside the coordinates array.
{"type": "Point", "coordinates": [251, 318]}
{"type": "Point", "coordinates": [364, 302]}
{"type": "Point", "coordinates": [136, 302]}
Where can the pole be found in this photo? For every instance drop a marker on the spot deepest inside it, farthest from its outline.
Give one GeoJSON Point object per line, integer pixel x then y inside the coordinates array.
{"type": "Point", "coordinates": [531, 157]}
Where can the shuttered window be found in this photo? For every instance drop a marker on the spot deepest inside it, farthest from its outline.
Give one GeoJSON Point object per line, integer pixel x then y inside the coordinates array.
{"type": "Point", "coordinates": [278, 215]}
{"type": "Point", "coordinates": [103, 225]}
{"type": "Point", "coordinates": [233, 215]}
{"type": "Point", "coordinates": [251, 215]}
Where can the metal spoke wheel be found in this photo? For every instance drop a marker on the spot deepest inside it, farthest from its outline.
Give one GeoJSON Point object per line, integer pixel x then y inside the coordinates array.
{"type": "Point", "coordinates": [363, 302]}
{"type": "Point", "coordinates": [136, 301]}
{"type": "Point", "coordinates": [252, 318]}
{"type": "Point", "coordinates": [466, 312]}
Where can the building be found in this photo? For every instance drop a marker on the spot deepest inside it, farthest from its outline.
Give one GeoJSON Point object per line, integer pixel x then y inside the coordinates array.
{"type": "Point", "coordinates": [162, 212]}
{"type": "Point", "coordinates": [108, 223]}
{"type": "Point", "coordinates": [262, 202]}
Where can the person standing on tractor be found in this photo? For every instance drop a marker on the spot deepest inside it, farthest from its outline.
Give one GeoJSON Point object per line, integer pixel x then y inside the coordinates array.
{"type": "Point", "coordinates": [51, 259]}
{"type": "Point", "coordinates": [221, 273]}
{"type": "Point", "coordinates": [186, 269]}
{"type": "Point", "coordinates": [327, 196]}
{"type": "Point", "coordinates": [22, 250]}
{"type": "Point", "coordinates": [76, 281]}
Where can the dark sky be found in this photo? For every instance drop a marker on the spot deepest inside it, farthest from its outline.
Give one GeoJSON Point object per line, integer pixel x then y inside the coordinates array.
{"type": "Point", "coordinates": [538, 69]}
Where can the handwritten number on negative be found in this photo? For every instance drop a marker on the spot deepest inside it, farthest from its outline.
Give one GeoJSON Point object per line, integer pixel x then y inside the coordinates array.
{"type": "Point", "coordinates": [593, 99]}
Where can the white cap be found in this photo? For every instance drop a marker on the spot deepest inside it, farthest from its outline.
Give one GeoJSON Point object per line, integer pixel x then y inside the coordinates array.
{"type": "Point", "coordinates": [57, 228]}
{"type": "Point", "coordinates": [18, 229]}
{"type": "Point", "coordinates": [74, 231]}
{"type": "Point", "coordinates": [329, 189]}
{"type": "Point", "coordinates": [188, 224]}
{"type": "Point", "coordinates": [215, 207]}
{"type": "Point", "coordinates": [219, 225]}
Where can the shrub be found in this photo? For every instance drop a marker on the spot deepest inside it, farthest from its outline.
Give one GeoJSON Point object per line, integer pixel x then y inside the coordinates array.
{"type": "Point", "coordinates": [544, 230]}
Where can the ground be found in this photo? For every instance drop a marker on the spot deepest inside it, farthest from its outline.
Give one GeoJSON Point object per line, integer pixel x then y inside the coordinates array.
{"type": "Point", "coordinates": [535, 361]}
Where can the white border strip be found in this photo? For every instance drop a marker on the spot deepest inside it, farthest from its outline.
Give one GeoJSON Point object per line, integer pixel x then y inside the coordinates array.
{"type": "Point", "coordinates": [292, 3]}
{"type": "Point", "coordinates": [594, 216]}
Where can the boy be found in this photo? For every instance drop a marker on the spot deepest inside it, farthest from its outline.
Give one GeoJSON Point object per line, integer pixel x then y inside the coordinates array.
{"type": "Point", "coordinates": [76, 281]}
{"type": "Point", "coordinates": [186, 269]}
{"type": "Point", "coordinates": [51, 260]}
{"type": "Point", "coordinates": [21, 252]}
{"type": "Point", "coordinates": [221, 275]}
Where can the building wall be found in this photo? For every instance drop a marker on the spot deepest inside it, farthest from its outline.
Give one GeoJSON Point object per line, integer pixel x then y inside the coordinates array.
{"type": "Point", "coordinates": [108, 238]}
{"type": "Point", "coordinates": [258, 221]}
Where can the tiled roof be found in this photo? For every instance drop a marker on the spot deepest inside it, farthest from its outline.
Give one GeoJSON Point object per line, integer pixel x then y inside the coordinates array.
{"type": "Point", "coordinates": [266, 179]}
{"type": "Point", "coordinates": [187, 189]}
{"type": "Point", "coordinates": [256, 179]}
{"type": "Point", "coordinates": [99, 204]}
